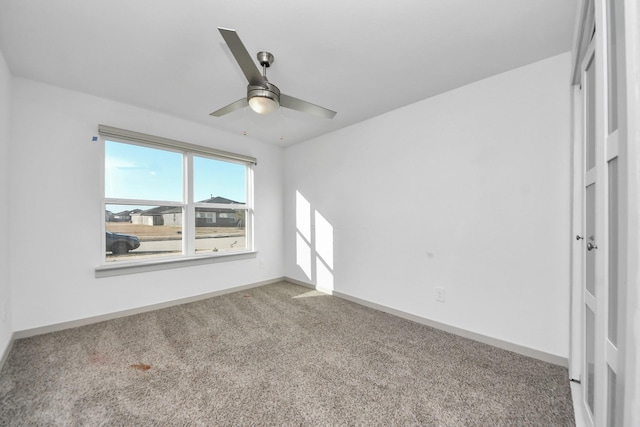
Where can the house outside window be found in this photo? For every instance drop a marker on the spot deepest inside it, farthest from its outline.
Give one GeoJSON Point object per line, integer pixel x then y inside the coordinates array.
{"type": "Point", "coordinates": [165, 199]}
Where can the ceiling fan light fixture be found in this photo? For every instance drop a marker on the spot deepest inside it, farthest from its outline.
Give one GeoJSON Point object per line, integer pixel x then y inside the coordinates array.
{"type": "Point", "coordinates": [262, 96]}
{"type": "Point", "coordinates": [263, 104]}
{"type": "Point", "coordinates": [263, 100]}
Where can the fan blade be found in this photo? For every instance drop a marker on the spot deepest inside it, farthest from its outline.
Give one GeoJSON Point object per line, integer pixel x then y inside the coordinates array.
{"type": "Point", "coordinates": [306, 107]}
{"type": "Point", "coordinates": [240, 103]}
{"type": "Point", "coordinates": [249, 68]}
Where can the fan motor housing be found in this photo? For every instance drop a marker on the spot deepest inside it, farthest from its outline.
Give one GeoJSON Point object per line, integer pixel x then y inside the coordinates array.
{"type": "Point", "coordinates": [268, 91]}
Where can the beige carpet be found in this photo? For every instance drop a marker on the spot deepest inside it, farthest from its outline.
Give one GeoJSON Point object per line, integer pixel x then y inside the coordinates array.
{"type": "Point", "coordinates": [278, 355]}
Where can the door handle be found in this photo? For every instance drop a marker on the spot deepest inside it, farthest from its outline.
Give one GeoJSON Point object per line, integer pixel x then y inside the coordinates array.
{"type": "Point", "coordinates": [578, 237]}
{"type": "Point", "coordinates": [591, 246]}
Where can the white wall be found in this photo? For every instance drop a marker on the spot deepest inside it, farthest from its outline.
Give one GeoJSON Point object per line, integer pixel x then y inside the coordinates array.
{"type": "Point", "coordinates": [468, 191]}
{"type": "Point", "coordinates": [5, 287]}
{"type": "Point", "coordinates": [56, 209]}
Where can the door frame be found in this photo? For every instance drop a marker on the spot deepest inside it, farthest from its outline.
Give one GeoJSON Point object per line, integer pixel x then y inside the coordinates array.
{"type": "Point", "coordinates": [629, 152]}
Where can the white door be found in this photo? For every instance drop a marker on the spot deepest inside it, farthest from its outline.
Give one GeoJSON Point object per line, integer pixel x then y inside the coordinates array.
{"type": "Point", "coordinates": [599, 237]}
{"type": "Point", "coordinates": [590, 236]}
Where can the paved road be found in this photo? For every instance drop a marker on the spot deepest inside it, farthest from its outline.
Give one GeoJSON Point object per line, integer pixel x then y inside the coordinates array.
{"type": "Point", "coordinates": [168, 247]}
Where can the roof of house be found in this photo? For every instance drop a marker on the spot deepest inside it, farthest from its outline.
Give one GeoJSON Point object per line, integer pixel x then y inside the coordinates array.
{"type": "Point", "coordinates": [219, 199]}
{"type": "Point", "coordinates": [128, 212]}
{"type": "Point", "coordinates": [163, 210]}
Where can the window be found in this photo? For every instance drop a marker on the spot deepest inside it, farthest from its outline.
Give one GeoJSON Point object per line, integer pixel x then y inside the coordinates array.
{"type": "Point", "coordinates": [166, 199]}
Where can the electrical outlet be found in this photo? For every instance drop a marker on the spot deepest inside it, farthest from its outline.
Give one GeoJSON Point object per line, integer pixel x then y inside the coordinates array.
{"type": "Point", "coordinates": [441, 295]}
{"type": "Point", "coordinates": [261, 264]}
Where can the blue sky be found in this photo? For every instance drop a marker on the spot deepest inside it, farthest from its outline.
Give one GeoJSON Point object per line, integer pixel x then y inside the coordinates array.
{"type": "Point", "coordinates": [136, 172]}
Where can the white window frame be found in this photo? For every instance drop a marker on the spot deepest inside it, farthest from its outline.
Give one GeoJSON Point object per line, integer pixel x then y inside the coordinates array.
{"type": "Point", "coordinates": [188, 205]}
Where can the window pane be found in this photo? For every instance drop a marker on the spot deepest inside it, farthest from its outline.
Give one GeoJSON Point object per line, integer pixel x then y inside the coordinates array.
{"type": "Point", "coordinates": [591, 115]}
{"type": "Point", "coordinates": [142, 232]}
{"type": "Point", "coordinates": [220, 230]}
{"type": "Point", "coordinates": [591, 357]}
{"type": "Point", "coordinates": [219, 179]}
{"type": "Point", "coordinates": [136, 172]}
{"type": "Point", "coordinates": [148, 214]}
{"type": "Point", "coordinates": [611, 398]}
{"type": "Point", "coordinates": [590, 257]}
{"type": "Point", "coordinates": [612, 67]}
{"type": "Point", "coordinates": [613, 252]}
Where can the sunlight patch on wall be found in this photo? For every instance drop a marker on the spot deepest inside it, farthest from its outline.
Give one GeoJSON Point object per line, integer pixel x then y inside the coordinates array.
{"type": "Point", "coordinates": [314, 244]}
{"type": "Point", "coordinates": [303, 256]}
{"type": "Point", "coordinates": [303, 235]}
{"type": "Point", "coordinates": [324, 239]}
{"type": "Point", "coordinates": [303, 216]}
{"type": "Point", "coordinates": [324, 279]}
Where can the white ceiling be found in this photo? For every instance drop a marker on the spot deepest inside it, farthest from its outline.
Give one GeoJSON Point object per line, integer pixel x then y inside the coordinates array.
{"type": "Point", "coordinates": [359, 58]}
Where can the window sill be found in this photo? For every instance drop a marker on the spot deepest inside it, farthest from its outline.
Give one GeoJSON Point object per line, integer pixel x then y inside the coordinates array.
{"type": "Point", "coordinates": [119, 269]}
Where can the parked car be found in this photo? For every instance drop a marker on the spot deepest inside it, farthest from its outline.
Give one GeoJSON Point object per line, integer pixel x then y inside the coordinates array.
{"type": "Point", "coordinates": [118, 243]}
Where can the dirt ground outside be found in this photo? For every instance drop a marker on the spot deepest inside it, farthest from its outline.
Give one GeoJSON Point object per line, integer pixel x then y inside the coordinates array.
{"type": "Point", "coordinates": [149, 233]}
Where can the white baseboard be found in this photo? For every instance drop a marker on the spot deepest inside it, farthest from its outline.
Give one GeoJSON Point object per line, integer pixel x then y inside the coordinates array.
{"type": "Point", "coordinates": [25, 333]}
{"type": "Point", "coordinates": [505, 345]}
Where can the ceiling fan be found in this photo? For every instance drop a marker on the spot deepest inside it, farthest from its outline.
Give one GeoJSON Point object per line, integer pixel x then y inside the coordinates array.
{"type": "Point", "coordinates": [263, 97]}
